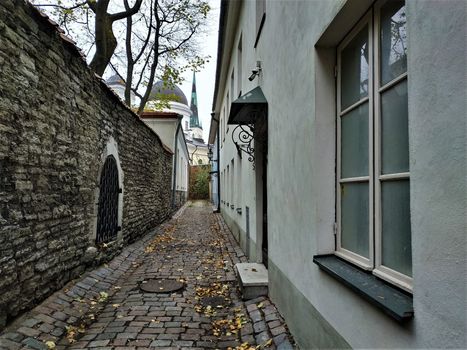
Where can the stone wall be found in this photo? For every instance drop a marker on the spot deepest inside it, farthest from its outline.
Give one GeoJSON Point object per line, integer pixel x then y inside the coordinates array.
{"type": "Point", "coordinates": [56, 118]}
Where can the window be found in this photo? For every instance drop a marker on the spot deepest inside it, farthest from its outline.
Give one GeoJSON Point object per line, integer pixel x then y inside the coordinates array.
{"type": "Point", "coordinates": [260, 17]}
{"type": "Point", "coordinates": [373, 179]}
{"type": "Point", "coordinates": [232, 183]}
{"type": "Point", "coordinates": [239, 67]}
{"type": "Point", "coordinates": [239, 183]}
{"type": "Point", "coordinates": [227, 189]}
{"type": "Point", "coordinates": [232, 78]}
{"type": "Point", "coordinates": [227, 112]}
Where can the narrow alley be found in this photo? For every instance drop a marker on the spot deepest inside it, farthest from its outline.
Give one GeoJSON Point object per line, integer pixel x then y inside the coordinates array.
{"type": "Point", "coordinates": [107, 309]}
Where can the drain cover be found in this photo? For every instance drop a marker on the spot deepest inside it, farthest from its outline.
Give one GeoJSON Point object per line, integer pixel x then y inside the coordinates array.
{"type": "Point", "coordinates": [214, 301]}
{"type": "Point", "coordinates": [161, 286]}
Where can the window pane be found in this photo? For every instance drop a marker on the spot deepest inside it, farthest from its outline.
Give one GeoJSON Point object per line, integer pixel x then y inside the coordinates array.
{"type": "Point", "coordinates": [354, 142]}
{"type": "Point", "coordinates": [394, 130]}
{"type": "Point", "coordinates": [396, 233]}
{"type": "Point", "coordinates": [354, 69]}
{"type": "Point", "coordinates": [354, 217]}
{"type": "Point", "coordinates": [393, 41]}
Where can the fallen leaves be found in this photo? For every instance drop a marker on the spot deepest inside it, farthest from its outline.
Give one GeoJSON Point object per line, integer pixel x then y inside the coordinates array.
{"type": "Point", "coordinates": [72, 332]}
{"type": "Point", "coordinates": [243, 346]}
{"type": "Point", "coordinates": [247, 346]}
{"type": "Point", "coordinates": [228, 326]}
{"type": "Point", "coordinates": [166, 237]}
{"type": "Point", "coordinates": [50, 344]}
{"type": "Point", "coordinates": [215, 289]}
{"type": "Point", "coordinates": [103, 296]}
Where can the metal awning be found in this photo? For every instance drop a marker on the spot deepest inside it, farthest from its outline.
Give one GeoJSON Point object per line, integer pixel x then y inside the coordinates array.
{"type": "Point", "coordinates": [248, 107]}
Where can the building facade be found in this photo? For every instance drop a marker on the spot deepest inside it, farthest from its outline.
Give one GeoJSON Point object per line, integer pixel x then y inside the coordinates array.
{"type": "Point", "coordinates": [169, 128]}
{"type": "Point", "coordinates": [342, 131]}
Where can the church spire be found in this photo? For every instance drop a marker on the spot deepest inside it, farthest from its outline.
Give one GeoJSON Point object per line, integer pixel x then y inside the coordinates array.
{"type": "Point", "coordinates": [194, 121]}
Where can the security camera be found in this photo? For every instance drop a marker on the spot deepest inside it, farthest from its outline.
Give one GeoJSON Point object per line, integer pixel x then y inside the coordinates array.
{"type": "Point", "coordinates": [255, 71]}
{"type": "Point", "coordinates": [253, 75]}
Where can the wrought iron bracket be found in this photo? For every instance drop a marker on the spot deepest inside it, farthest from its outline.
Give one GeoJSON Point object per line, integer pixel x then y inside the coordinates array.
{"type": "Point", "coordinates": [242, 137]}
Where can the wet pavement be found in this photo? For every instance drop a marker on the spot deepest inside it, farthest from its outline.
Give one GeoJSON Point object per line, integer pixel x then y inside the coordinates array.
{"type": "Point", "coordinates": [107, 309]}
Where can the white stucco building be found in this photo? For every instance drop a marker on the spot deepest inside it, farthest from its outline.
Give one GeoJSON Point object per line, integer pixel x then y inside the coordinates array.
{"type": "Point", "coordinates": [168, 126]}
{"type": "Point", "coordinates": [355, 195]}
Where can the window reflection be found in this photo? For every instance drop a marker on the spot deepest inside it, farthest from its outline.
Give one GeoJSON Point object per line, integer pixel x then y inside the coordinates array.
{"type": "Point", "coordinates": [393, 41]}
{"type": "Point", "coordinates": [354, 84]}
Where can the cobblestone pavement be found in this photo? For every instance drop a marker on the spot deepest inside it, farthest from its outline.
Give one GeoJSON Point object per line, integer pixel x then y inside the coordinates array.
{"type": "Point", "coordinates": [106, 309]}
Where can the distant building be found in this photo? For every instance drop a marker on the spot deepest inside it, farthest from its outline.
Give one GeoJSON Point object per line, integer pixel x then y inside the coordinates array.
{"type": "Point", "coordinates": [197, 147]}
{"type": "Point", "coordinates": [117, 84]}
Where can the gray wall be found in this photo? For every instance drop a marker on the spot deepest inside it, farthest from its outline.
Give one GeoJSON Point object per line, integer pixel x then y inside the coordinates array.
{"type": "Point", "coordinates": [301, 212]}
{"type": "Point", "coordinates": [56, 118]}
{"type": "Point", "coordinates": [298, 82]}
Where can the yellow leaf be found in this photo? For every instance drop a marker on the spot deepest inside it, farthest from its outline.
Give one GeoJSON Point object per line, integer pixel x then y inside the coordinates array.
{"type": "Point", "coordinates": [260, 305]}
{"type": "Point", "coordinates": [50, 344]}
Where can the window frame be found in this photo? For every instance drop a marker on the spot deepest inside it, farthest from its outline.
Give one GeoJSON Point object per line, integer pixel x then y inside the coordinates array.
{"type": "Point", "coordinates": [373, 263]}
{"type": "Point", "coordinates": [403, 281]}
{"type": "Point", "coordinates": [362, 262]}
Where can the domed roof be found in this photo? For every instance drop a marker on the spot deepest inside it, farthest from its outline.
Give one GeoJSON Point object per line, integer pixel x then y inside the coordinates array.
{"type": "Point", "coordinates": [115, 80]}
{"type": "Point", "coordinates": [173, 92]}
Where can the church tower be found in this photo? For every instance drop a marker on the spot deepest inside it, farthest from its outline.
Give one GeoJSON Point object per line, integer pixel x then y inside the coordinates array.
{"type": "Point", "coordinates": [194, 120]}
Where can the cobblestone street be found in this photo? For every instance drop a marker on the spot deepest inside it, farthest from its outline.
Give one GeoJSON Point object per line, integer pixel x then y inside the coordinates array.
{"type": "Point", "coordinates": [106, 308]}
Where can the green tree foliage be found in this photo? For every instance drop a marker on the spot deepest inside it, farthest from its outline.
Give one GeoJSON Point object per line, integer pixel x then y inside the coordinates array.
{"type": "Point", "coordinates": [142, 41]}
{"type": "Point", "coordinates": [199, 182]}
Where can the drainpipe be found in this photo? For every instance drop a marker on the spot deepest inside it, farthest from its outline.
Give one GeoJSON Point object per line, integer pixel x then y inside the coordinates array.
{"type": "Point", "coordinates": [174, 185]}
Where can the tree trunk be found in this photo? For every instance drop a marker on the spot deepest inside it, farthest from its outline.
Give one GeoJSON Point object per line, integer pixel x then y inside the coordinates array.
{"type": "Point", "coordinates": [105, 43]}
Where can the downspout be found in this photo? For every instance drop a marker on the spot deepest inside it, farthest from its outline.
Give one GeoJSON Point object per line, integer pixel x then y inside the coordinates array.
{"type": "Point", "coordinates": [174, 185]}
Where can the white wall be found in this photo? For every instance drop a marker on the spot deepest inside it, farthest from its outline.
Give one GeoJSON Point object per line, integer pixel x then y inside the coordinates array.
{"type": "Point", "coordinates": [301, 166]}
{"type": "Point", "coordinates": [243, 194]}
{"type": "Point", "coordinates": [183, 164]}
{"type": "Point", "coordinates": [165, 128]}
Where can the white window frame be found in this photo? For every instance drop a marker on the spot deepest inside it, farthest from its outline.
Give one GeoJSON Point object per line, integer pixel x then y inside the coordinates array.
{"type": "Point", "coordinates": [374, 179]}
{"type": "Point", "coordinates": [362, 262]}
{"type": "Point", "coordinates": [403, 281]}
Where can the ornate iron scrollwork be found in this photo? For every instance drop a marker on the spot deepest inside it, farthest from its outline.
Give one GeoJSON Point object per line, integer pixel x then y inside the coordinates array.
{"type": "Point", "coordinates": [242, 137]}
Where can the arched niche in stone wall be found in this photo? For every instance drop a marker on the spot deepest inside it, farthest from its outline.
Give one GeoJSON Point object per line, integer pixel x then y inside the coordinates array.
{"type": "Point", "coordinates": [109, 184]}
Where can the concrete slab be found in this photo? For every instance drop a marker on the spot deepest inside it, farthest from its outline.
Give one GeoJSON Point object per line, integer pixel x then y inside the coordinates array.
{"type": "Point", "coordinates": [252, 274]}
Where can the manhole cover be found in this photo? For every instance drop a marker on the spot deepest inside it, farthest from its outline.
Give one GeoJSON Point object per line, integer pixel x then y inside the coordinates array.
{"type": "Point", "coordinates": [161, 286]}
{"type": "Point", "coordinates": [214, 301]}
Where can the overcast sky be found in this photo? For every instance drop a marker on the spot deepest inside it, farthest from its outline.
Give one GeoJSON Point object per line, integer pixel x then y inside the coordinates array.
{"type": "Point", "coordinates": [205, 79]}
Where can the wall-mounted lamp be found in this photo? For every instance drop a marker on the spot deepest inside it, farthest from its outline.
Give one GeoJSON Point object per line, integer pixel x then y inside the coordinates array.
{"type": "Point", "coordinates": [210, 154]}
